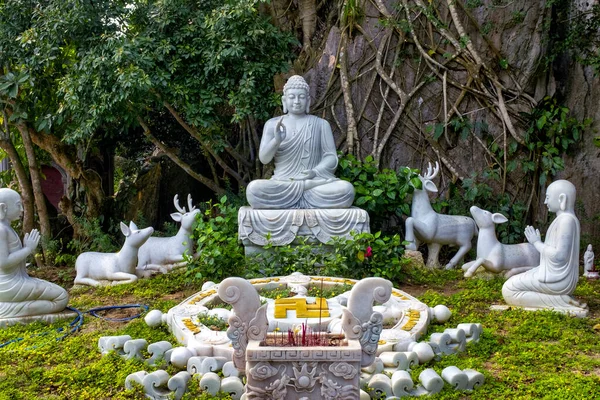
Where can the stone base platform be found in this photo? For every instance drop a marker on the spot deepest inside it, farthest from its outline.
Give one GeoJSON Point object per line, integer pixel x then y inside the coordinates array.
{"type": "Point", "coordinates": [575, 312]}
{"type": "Point", "coordinates": [256, 228]}
{"type": "Point", "coordinates": [48, 318]}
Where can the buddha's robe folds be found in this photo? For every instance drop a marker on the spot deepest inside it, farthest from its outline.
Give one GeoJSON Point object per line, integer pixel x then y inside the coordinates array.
{"type": "Point", "coordinates": [22, 295]}
{"type": "Point", "coordinates": [551, 283]}
{"type": "Point", "coordinates": [281, 227]}
{"type": "Point", "coordinates": [305, 150]}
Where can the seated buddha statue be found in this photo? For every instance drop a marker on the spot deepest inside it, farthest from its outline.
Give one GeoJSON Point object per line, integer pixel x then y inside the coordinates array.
{"type": "Point", "coordinates": [303, 149]}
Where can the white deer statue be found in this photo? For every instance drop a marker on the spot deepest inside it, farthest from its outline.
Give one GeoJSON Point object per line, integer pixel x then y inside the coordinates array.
{"type": "Point", "coordinates": [426, 226]}
{"type": "Point", "coordinates": [495, 256]}
{"type": "Point", "coordinates": [165, 253]}
{"type": "Point", "coordinates": [93, 267]}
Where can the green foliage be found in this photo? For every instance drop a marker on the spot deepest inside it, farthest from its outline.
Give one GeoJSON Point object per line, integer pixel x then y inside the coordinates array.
{"type": "Point", "coordinates": [574, 33]}
{"type": "Point", "coordinates": [487, 28]}
{"type": "Point", "coordinates": [328, 292]}
{"type": "Point", "coordinates": [461, 127]}
{"type": "Point", "coordinates": [280, 292]}
{"type": "Point", "coordinates": [512, 231]}
{"type": "Point", "coordinates": [352, 15]}
{"type": "Point", "coordinates": [92, 238]}
{"type": "Point", "coordinates": [304, 257]}
{"type": "Point", "coordinates": [178, 51]}
{"type": "Point", "coordinates": [476, 190]}
{"type": "Point", "coordinates": [220, 254]}
{"type": "Point", "coordinates": [522, 354]}
{"type": "Point", "coordinates": [368, 254]}
{"type": "Point", "coordinates": [93, 71]}
{"type": "Point", "coordinates": [473, 3]}
{"type": "Point", "coordinates": [212, 322]}
{"type": "Point", "coordinates": [364, 255]}
{"type": "Point", "coordinates": [517, 16]}
{"type": "Point", "coordinates": [552, 131]}
{"type": "Point", "coordinates": [383, 193]}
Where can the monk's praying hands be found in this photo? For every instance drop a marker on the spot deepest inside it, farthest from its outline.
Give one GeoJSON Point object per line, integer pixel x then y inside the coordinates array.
{"type": "Point", "coordinates": [533, 235]}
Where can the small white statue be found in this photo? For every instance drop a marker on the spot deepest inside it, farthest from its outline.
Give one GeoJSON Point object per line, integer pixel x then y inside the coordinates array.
{"type": "Point", "coordinates": [305, 156]}
{"type": "Point", "coordinates": [551, 284]}
{"type": "Point", "coordinates": [427, 226]}
{"type": "Point", "coordinates": [495, 256]}
{"type": "Point", "coordinates": [20, 294]}
{"type": "Point", "coordinates": [163, 254]}
{"type": "Point", "coordinates": [119, 267]}
{"type": "Point", "coordinates": [588, 261]}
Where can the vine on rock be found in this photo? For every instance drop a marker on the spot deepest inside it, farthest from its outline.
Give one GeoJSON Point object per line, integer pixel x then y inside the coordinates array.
{"type": "Point", "coordinates": [418, 81]}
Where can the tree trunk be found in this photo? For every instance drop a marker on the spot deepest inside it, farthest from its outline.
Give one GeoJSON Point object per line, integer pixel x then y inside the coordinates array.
{"type": "Point", "coordinates": [38, 194]}
{"type": "Point", "coordinates": [308, 16]}
{"type": "Point", "coordinates": [66, 156]}
{"type": "Point", "coordinates": [24, 183]}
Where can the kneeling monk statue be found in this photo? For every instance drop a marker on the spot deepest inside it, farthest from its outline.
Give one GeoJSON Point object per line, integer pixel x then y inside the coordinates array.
{"type": "Point", "coordinates": [303, 149]}
{"type": "Point", "coordinates": [20, 294]}
{"type": "Point", "coordinates": [550, 285]}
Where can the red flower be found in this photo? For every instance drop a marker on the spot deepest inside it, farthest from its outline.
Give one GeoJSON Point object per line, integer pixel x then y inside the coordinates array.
{"type": "Point", "coordinates": [369, 252]}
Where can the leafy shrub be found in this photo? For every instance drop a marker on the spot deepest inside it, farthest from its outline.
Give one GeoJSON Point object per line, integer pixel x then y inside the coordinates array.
{"type": "Point", "coordinates": [362, 256]}
{"type": "Point", "coordinates": [368, 254]}
{"type": "Point", "coordinates": [303, 257]}
{"type": "Point", "coordinates": [383, 193]}
{"type": "Point", "coordinates": [91, 238]}
{"type": "Point", "coordinates": [552, 131]}
{"type": "Point", "coordinates": [475, 192]}
{"type": "Point", "coordinates": [220, 255]}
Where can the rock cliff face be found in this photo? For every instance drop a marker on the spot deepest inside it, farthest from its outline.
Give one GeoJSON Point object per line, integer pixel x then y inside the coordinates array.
{"type": "Point", "coordinates": [580, 87]}
{"type": "Point", "coordinates": [448, 81]}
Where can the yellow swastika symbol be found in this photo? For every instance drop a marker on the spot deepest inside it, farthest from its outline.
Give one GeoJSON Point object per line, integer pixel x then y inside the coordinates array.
{"type": "Point", "coordinates": [303, 310]}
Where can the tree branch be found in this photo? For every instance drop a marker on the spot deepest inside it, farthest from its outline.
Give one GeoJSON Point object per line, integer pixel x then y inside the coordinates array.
{"type": "Point", "coordinates": [196, 135]}
{"type": "Point", "coordinates": [351, 132]}
{"type": "Point", "coordinates": [171, 154]}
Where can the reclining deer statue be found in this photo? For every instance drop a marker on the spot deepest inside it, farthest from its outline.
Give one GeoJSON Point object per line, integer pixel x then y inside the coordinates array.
{"type": "Point", "coordinates": [95, 268]}
{"type": "Point", "coordinates": [494, 256]}
{"type": "Point", "coordinates": [426, 226]}
{"type": "Point", "coordinates": [165, 253]}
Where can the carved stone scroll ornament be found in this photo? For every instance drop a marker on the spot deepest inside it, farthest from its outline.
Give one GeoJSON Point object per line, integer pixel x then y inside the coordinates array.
{"type": "Point", "coordinates": [343, 370]}
{"type": "Point", "coordinates": [249, 319]}
{"type": "Point", "coordinates": [359, 321]}
{"type": "Point", "coordinates": [264, 370]}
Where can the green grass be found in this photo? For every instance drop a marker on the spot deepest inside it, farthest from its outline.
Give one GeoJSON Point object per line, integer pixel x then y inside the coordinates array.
{"type": "Point", "coordinates": [523, 355]}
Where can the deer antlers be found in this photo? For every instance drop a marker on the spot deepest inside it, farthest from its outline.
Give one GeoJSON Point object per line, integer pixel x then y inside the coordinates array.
{"type": "Point", "coordinates": [429, 175]}
{"type": "Point", "coordinates": [182, 209]}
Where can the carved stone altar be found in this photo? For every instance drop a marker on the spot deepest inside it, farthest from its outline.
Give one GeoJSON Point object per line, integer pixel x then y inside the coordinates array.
{"type": "Point", "coordinates": [304, 363]}
{"type": "Point", "coordinates": [309, 373]}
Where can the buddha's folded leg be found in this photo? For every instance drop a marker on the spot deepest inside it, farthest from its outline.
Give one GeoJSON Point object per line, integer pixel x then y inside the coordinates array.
{"type": "Point", "coordinates": [336, 194]}
{"type": "Point", "coordinates": [273, 194]}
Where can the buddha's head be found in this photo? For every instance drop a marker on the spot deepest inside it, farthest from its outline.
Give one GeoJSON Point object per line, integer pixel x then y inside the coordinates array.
{"type": "Point", "coordinates": [11, 206]}
{"type": "Point", "coordinates": [560, 196]}
{"type": "Point", "coordinates": [296, 96]}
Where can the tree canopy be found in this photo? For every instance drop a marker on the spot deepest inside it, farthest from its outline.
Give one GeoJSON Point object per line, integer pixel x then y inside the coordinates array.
{"type": "Point", "coordinates": [78, 73]}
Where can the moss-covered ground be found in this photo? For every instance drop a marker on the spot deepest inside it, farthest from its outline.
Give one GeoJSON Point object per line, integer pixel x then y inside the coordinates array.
{"type": "Point", "coordinates": [523, 355]}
